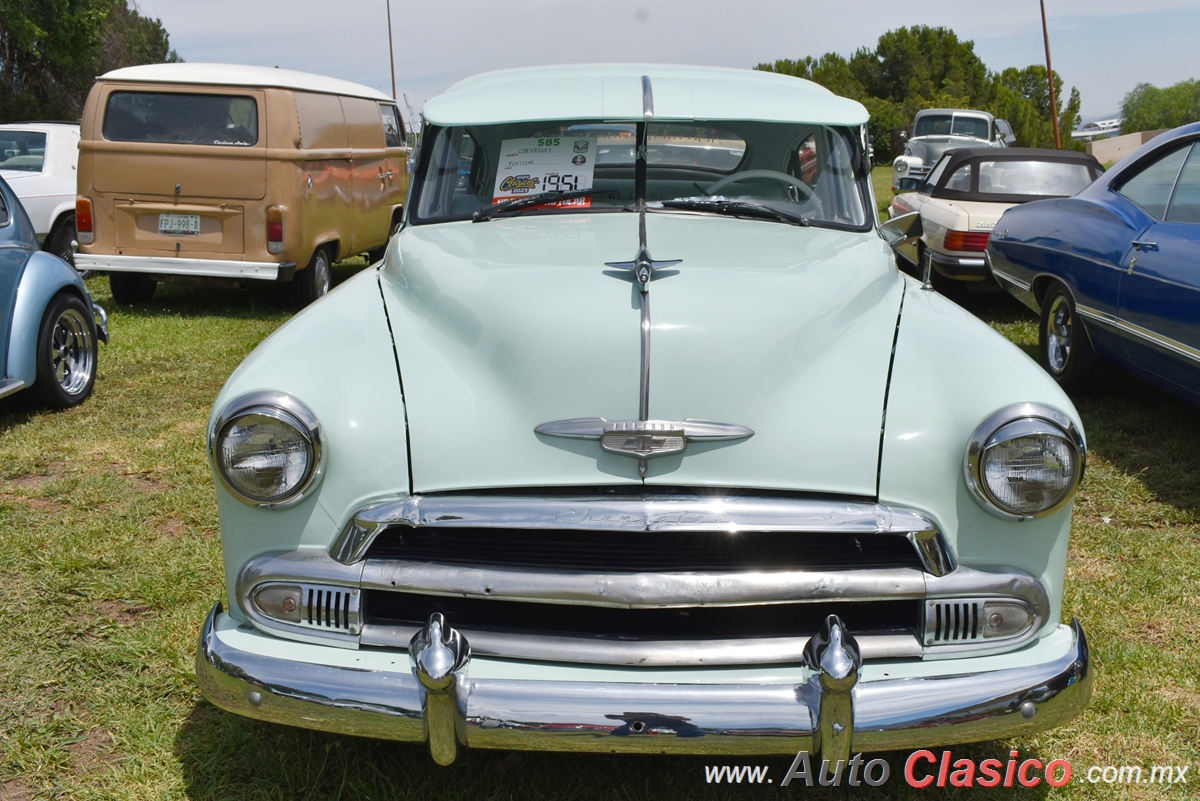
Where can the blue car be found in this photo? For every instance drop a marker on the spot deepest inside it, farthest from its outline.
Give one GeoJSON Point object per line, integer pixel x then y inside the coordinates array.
{"type": "Point", "coordinates": [49, 327]}
{"type": "Point", "coordinates": [1114, 271]}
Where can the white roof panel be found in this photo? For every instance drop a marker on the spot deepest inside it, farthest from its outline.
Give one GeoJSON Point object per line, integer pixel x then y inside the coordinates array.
{"type": "Point", "coordinates": [242, 75]}
{"type": "Point", "coordinates": [613, 92]}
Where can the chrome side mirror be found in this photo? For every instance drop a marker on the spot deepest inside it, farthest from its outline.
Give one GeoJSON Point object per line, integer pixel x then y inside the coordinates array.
{"type": "Point", "coordinates": [903, 235]}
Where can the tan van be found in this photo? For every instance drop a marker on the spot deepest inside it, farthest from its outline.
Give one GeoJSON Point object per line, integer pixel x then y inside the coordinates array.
{"type": "Point", "coordinates": [227, 172]}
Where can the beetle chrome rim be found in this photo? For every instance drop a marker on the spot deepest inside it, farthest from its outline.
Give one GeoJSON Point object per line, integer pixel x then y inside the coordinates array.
{"type": "Point", "coordinates": [1058, 334]}
{"type": "Point", "coordinates": [71, 355]}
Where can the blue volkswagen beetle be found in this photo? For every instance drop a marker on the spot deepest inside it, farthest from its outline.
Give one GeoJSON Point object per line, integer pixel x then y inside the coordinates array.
{"type": "Point", "coordinates": [1112, 271]}
{"type": "Point", "coordinates": [49, 327]}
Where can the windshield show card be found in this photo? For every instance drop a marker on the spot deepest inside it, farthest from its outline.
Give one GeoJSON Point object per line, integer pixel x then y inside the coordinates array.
{"type": "Point", "coordinates": [546, 164]}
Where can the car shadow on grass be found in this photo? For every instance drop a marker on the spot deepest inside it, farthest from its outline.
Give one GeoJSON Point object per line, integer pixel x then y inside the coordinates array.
{"type": "Point", "coordinates": [202, 299]}
{"type": "Point", "coordinates": [225, 756]}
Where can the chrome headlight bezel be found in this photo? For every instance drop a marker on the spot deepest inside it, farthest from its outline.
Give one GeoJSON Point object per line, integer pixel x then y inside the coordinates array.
{"type": "Point", "coordinates": [1012, 422]}
{"type": "Point", "coordinates": [285, 409]}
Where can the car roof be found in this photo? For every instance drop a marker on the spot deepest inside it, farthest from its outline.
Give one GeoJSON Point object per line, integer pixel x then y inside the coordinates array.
{"type": "Point", "coordinates": [963, 155]}
{"type": "Point", "coordinates": [46, 126]}
{"type": "Point", "coordinates": [972, 111]}
{"type": "Point", "coordinates": [960, 154]}
{"type": "Point", "coordinates": [241, 75]}
{"type": "Point", "coordinates": [613, 92]}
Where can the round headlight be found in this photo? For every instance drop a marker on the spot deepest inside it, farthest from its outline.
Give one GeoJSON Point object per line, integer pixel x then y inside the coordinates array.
{"type": "Point", "coordinates": [901, 167]}
{"type": "Point", "coordinates": [1025, 461]}
{"type": "Point", "coordinates": [266, 448]}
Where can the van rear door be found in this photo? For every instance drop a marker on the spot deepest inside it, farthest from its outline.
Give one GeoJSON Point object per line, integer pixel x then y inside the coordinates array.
{"type": "Point", "coordinates": [179, 163]}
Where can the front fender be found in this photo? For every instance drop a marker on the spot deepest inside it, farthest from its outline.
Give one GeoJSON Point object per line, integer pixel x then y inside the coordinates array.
{"type": "Point", "coordinates": [44, 277]}
{"type": "Point", "coordinates": [942, 389]}
{"type": "Point", "coordinates": [337, 358]}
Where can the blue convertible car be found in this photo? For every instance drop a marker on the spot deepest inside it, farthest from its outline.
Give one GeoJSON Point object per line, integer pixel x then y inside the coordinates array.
{"type": "Point", "coordinates": [1113, 270]}
{"type": "Point", "coordinates": [49, 327]}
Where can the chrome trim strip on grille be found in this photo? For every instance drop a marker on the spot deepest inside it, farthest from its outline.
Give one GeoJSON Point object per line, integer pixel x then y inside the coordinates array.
{"type": "Point", "coordinates": [645, 590]}
{"type": "Point", "coordinates": [648, 653]}
{"type": "Point", "coordinates": [634, 591]}
{"type": "Point", "coordinates": [547, 715]}
{"type": "Point", "coordinates": [649, 513]}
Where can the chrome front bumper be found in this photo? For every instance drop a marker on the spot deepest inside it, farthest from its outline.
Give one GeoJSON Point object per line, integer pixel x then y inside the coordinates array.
{"type": "Point", "coordinates": [435, 698]}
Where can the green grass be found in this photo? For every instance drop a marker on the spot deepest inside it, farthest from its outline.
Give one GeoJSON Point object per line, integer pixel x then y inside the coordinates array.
{"type": "Point", "coordinates": [881, 179]}
{"type": "Point", "coordinates": [110, 558]}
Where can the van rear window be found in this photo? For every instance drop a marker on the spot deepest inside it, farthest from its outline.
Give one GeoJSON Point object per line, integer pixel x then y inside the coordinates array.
{"type": "Point", "coordinates": [225, 120]}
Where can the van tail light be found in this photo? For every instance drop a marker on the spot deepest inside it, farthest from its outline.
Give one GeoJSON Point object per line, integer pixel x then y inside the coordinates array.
{"type": "Point", "coordinates": [964, 240]}
{"type": "Point", "coordinates": [274, 229]}
{"type": "Point", "coordinates": [84, 233]}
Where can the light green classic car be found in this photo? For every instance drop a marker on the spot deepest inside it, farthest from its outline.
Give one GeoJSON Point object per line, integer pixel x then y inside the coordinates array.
{"type": "Point", "coordinates": [637, 441]}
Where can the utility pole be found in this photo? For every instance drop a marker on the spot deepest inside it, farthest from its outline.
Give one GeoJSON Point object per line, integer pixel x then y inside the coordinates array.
{"type": "Point", "coordinates": [392, 55]}
{"type": "Point", "coordinates": [1050, 78]}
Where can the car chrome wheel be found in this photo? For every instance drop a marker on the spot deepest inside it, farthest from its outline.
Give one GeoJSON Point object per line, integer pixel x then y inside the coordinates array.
{"type": "Point", "coordinates": [67, 350]}
{"type": "Point", "coordinates": [1058, 335]}
{"type": "Point", "coordinates": [71, 352]}
{"type": "Point", "coordinates": [1064, 348]}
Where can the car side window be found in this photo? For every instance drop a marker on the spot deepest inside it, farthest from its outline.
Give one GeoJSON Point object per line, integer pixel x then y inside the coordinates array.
{"type": "Point", "coordinates": [1185, 202]}
{"type": "Point", "coordinates": [4, 215]}
{"type": "Point", "coordinates": [935, 175]}
{"type": "Point", "coordinates": [960, 179]}
{"type": "Point", "coordinates": [393, 130]}
{"type": "Point", "coordinates": [1151, 188]}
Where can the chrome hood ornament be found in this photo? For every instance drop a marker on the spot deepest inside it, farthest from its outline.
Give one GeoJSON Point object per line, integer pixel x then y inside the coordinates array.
{"type": "Point", "coordinates": [644, 439]}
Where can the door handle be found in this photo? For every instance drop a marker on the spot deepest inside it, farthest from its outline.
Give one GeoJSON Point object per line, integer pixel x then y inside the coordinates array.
{"type": "Point", "coordinates": [1144, 246]}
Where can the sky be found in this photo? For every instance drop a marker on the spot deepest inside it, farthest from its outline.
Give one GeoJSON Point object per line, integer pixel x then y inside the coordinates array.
{"type": "Point", "coordinates": [1099, 46]}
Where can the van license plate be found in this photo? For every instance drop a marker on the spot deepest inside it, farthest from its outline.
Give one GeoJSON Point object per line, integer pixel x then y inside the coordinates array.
{"type": "Point", "coordinates": [179, 224]}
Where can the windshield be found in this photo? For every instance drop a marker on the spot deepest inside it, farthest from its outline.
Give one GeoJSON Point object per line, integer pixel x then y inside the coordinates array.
{"type": "Point", "coordinates": [952, 125]}
{"type": "Point", "coordinates": [802, 171]}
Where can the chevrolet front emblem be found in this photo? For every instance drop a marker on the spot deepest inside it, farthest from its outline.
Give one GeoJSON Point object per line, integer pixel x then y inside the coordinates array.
{"type": "Point", "coordinates": [644, 439]}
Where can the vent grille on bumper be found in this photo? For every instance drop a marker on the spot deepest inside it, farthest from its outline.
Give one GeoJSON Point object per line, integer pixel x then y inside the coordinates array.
{"type": "Point", "coordinates": [329, 608]}
{"type": "Point", "coordinates": [954, 621]}
{"type": "Point", "coordinates": [698, 623]}
{"type": "Point", "coordinates": [640, 552]}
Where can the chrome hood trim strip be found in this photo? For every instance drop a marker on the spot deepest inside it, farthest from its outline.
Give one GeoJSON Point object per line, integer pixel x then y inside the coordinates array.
{"type": "Point", "coordinates": [650, 512]}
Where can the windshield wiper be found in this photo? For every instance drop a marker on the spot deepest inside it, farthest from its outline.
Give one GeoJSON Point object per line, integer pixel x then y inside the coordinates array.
{"type": "Point", "coordinates": [735, 208]}
{"type": "Point", "coordinates": [513, 204]}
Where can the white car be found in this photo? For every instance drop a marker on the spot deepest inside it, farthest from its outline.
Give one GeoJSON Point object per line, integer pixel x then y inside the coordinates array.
{"type": "Point", "coordinates": [965, 194]}
{"type": "Point", "coordinates": [38, 159]}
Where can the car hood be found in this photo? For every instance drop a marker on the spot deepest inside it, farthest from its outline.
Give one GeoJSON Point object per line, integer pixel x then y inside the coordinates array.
{"type": "Point", "coordinates": [931, 148]}
{"type": "Point", "coordinates": [502, 326]}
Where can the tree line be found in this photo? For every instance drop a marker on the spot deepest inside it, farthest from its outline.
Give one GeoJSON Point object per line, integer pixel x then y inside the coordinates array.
{"type": "Point", "coordinates": [924, 67]}
{"type": "Point", "coordinates": [52, 50]}
{"type": "Point", "coordinates": [1148, 108]}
